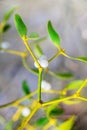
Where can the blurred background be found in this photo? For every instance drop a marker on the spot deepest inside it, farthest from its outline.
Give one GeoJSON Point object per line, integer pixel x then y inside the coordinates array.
{"type": "Point", "coordinates": [69, 18]}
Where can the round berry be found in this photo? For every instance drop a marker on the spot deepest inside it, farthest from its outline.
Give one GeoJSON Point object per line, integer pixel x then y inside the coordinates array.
{"type": "Point", "coordinates": [43, 63]}
{"type": "Point", "coordinates": [4, 45]}
{"type": "Point", "coordinates": [45, 85]}
{"type": "Point", "coordinates": [25, 112]}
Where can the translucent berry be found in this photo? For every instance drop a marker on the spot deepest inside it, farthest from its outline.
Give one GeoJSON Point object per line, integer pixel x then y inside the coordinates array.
{"type": "Point", "coordinates": [5, 45]}
{"type": "Point", "coordinates": [45, 85]}
{"type": "Point", "coordinates": [42, 61]}
{"type": "Point", "coordinates": [25, 112]}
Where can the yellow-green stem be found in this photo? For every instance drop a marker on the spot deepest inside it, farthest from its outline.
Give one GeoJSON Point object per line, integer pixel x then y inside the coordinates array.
{"type": "Point", "coordinates": [57, 101]}
{"type": "Point", "coordinates": [70, 57]}
{"type": "Point", "coordinates": [56, 55]}
{"type": "Point", "coordinates": [52, 74]}
{"type": "Point", "coordinates": [17, 102]}
{"type": "Point", "coordinates": [27, 67]}
{"type": "Point", "coordinates": [82, 98]}
{"type": "Point", "coordinates": [18, 53]}
{"type": "Point", "coordinates": [30, 51]}
{"type": "Point", "coordinates": [60, 51]}
{"type": "Point", "coordinates": [39, 84]}
{"type": "Point", "coordinates": [81, 87]}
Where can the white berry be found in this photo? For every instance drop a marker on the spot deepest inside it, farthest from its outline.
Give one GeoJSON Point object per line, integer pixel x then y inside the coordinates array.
{"type": "Point", "coordinates": [5, 45]}
{"type": "Point", "coordinates": [45, 85]}
{"type": "Point", "coordinates": [25, 112]}
{"type": "Point", "coordinates": [35, 64]}
{"type": "Point", "coordinates": [42, 61]}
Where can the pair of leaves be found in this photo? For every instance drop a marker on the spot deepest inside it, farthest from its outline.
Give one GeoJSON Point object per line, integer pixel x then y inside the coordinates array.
{"type": "Point", "coordinates": [54, 36]}
{"type": "Point", "coordinates": [21, 27]}
{"type": "Point", "coordinates": [22, 30]}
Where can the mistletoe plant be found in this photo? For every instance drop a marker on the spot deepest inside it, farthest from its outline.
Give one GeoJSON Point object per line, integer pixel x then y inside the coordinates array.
{"type": "Point", "coordinates": [51, 108]}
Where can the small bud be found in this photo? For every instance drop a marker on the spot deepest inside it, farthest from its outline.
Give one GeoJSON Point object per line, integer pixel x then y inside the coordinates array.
{"type": "Point", "coordinates": [25, 112]}
{"type": "Point", "coordinates": [45, 85]}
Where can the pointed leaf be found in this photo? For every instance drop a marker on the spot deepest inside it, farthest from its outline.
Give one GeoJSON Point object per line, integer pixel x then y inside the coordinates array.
{"type": "Point", "coordinates": [8, 14]}
{"type": "Point", "coordinates": [34, 35]}
{"type": "Point", "coordinates": [54, 36]}
{"type": "Point", "coordinates": [38, 51]}
{"type": "Point", "coordinates": [67, 125]}
{"type": "Point", "coordinates": [42, 121]}
{"type": "Point", "coordinates": [84, 59]}
{"type": "Point", "coordinates": [6, 27]}
{"type": "Point", "coordinates": [20, 26]}
{"type": "Point", "coordinates": [65, 75]}
{"type": "Point", "coordinates": [56, 112]}
{"type": "Point", "coordinates": [25, 87]}
{"type": "Point", "coordinates": [74, 85]}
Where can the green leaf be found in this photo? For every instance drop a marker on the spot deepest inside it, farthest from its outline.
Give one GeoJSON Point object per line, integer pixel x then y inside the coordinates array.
{"type": "Point", "coordinates": [74, 85]}
{"type": "Point", "coordinates": [9, 125]}
{"type": "Point", "coordinates": [39, 40]}
{"type": "Point", "coordinates": [56, 112]}
{"type": "Point", "coordinates": [67, 125]}
{"type": "Point", "coordinates": [20, 26]}
{"type": "Point", "coordinates": [84, 59]}
{"type": "Point", "coordinates": [25, 87]}
{"type": "Point", "coordinates": [6, 27]}
{"type": "Point", "coordinates": [37, 50]}
{"type": "Point", "coordinates": [42, 121]}
{"type": "Point", "coordinates": [65, 75]}
{"type": "Point", "coordinates": [8, 14]}
{"type": "Point", "coordinates": [35, 70]}
{"type": "Point", "coordinates": [54, 36]}
{"type": "Point", "coordinates": [34, 35]}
